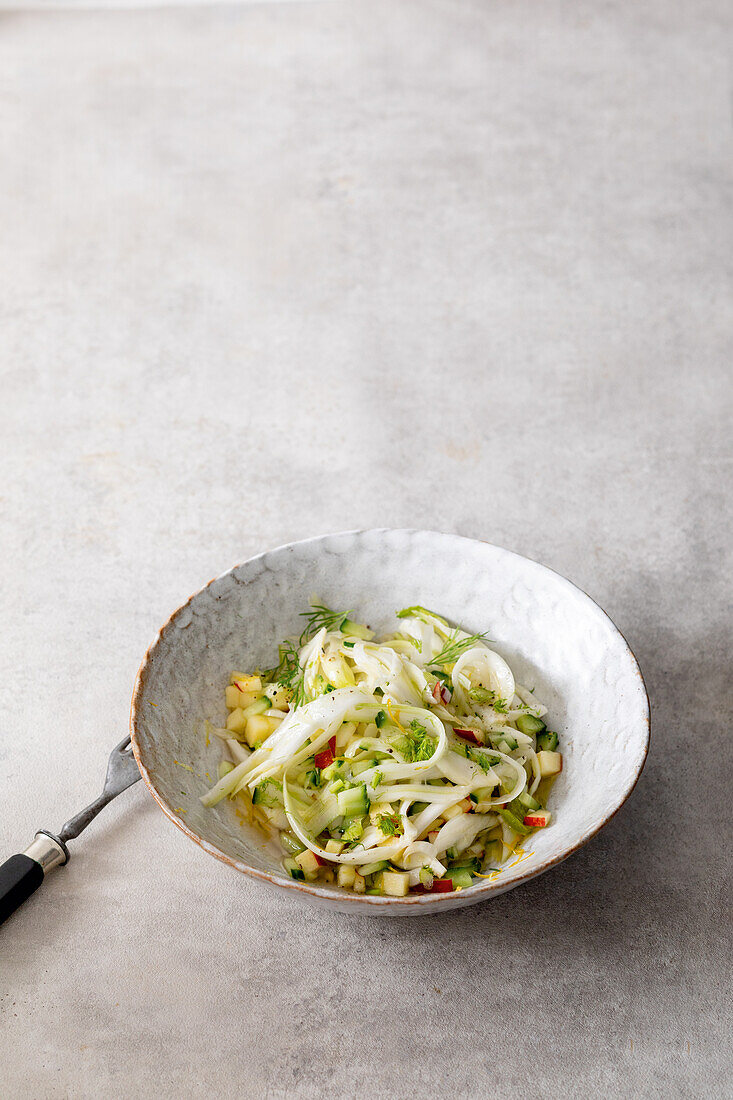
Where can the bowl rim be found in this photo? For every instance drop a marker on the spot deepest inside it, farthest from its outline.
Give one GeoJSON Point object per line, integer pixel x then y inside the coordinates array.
{"type": "Point", "coordinates": [426, 902]}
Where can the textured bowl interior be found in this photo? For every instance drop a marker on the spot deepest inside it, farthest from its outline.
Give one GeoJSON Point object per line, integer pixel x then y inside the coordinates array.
{"type": "Point", "coordinates": [553, 635]}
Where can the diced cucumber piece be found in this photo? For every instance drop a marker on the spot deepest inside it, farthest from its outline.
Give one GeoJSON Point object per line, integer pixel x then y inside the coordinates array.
{"type": "Point", "coordinates": [472, 865]}
{"type": "Point", "coordinates": [374, 868]}
{"type": "Point", "coordinates": [426, 877]}
{"type": "Point", "coordinates": [461, 879]}
{"type": "Point", "coordinates": [293, 869]}
{"type": "Point", "coordinates": [337, 785]}
{"type": "Point", "coordinates": [362, 766]}
{"type": "Point", "coordinates": [547, 740]}
{"type": "Point", "coordinates": [291, 844]}
{"type": "Point", "coordinates": [374, 891]}
{"type": "Point", "coordinates": [513, 821]}
{"type": "Point", "coordinates": [525, 798]}
{"type": "Point", "coordinates": [507, 744]}
{"type": "Point", "coordinates": [516, 807]}
{"type": "Point", "coordinates": [451, 853]}
{"type": "Point", "coordinates": [332, 771]}
{"type": "Point", "coordinates": [354, 802]}
{"type": "Point", "coordinates": [418, 807]}
{"type": "Point", "coordinates": [380, 719]}
{"type": "Point", "coordinates": [527, 723]}
{"type": "Point", "coordinates": [353, 830]}
{"type": "Point", "coordinates": [357, 630]}
{"type": "Point", "coordinates": [258, 707]}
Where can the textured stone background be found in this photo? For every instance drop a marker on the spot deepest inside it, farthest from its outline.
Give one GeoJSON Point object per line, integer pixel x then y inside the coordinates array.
{"type": "Point", "coordinates": [271, 270]}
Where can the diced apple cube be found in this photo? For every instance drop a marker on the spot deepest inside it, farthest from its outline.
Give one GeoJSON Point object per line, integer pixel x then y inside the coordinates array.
{"type": "Point", "coordinates": [346, 876]}
{"type": "Point", "coordinates": [359, 886]}
{"type": "Point", "coordinates": [243, 682]}
{"type": "Point", "coordinates": [308, 863]}
{"type": "Point", "coordinates": [259, 728]}
{"type": "Point", "coordinates": [395, 883]}
{"type": "Point", "coordinates": [236, 721]}
{"type": "Point", "coordinates": [537, 819]}
{"type": "Point", "coordinates": [278, 695]}
{"type": "Point", "coordinates": [550, 762]}
{"type": "Point", "coordinates": [235, 698]}
{"type": "Point", "coordinates": [335, 846]}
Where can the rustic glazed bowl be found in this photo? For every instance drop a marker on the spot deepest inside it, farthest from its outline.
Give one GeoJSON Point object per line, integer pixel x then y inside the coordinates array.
{"type": "Point", "coordinates": [553, 635]}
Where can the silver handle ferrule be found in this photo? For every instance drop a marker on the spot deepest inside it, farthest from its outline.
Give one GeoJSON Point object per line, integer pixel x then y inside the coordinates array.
{"type": "Point", "coordinates": [47, 851]}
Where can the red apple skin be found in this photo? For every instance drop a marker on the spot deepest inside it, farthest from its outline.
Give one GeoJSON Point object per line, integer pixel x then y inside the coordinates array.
{"type": "Point", "coordinates": [467, 735]}
{"type": "Point", "coordinates": [536, 821]}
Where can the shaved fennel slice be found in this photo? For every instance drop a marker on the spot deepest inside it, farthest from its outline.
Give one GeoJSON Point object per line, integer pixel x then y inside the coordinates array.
{"type": "Point", "coordinates": [317, 720]}
{"type": "Point", "coordinates": [482, 667]}
{"type": "Point", "coordinates": [239, 752]}
{"type": "Point", "coordinates": [355, 857]}
{"type": "Point", "coordinates": [459, 832]}
{"type": "Point", "coordinates": [526, 696]}
{"type": "Point", "coordinates": [421, 853]}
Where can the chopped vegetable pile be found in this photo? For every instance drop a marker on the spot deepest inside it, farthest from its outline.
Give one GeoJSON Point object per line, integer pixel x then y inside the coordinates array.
{"type": "Point", "coordinates": [406, 766]}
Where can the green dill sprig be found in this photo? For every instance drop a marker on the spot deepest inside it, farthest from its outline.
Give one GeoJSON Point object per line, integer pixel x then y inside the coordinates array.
{"type": "Point", "coordinates": [321, 616]}
{"type": "Point", "coordinates": [288, 672]}
{"type": "Point", "coordinates": [454, 647]}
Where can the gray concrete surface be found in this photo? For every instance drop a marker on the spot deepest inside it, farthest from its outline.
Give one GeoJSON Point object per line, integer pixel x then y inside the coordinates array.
{"type": "Point", "coordinates": [269, 271]}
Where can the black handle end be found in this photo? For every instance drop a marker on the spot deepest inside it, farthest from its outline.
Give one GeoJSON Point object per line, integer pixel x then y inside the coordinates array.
{"type": "Point", "coordinates": [19, 877]}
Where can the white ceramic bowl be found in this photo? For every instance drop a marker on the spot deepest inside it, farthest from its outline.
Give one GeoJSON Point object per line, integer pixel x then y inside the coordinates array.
{"type": "Point", "coordinates": [552, 634]}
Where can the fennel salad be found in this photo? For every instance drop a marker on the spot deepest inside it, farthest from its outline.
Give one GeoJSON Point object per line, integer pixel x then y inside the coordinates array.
{"type": "Point", "coordinates": [409, 765]}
